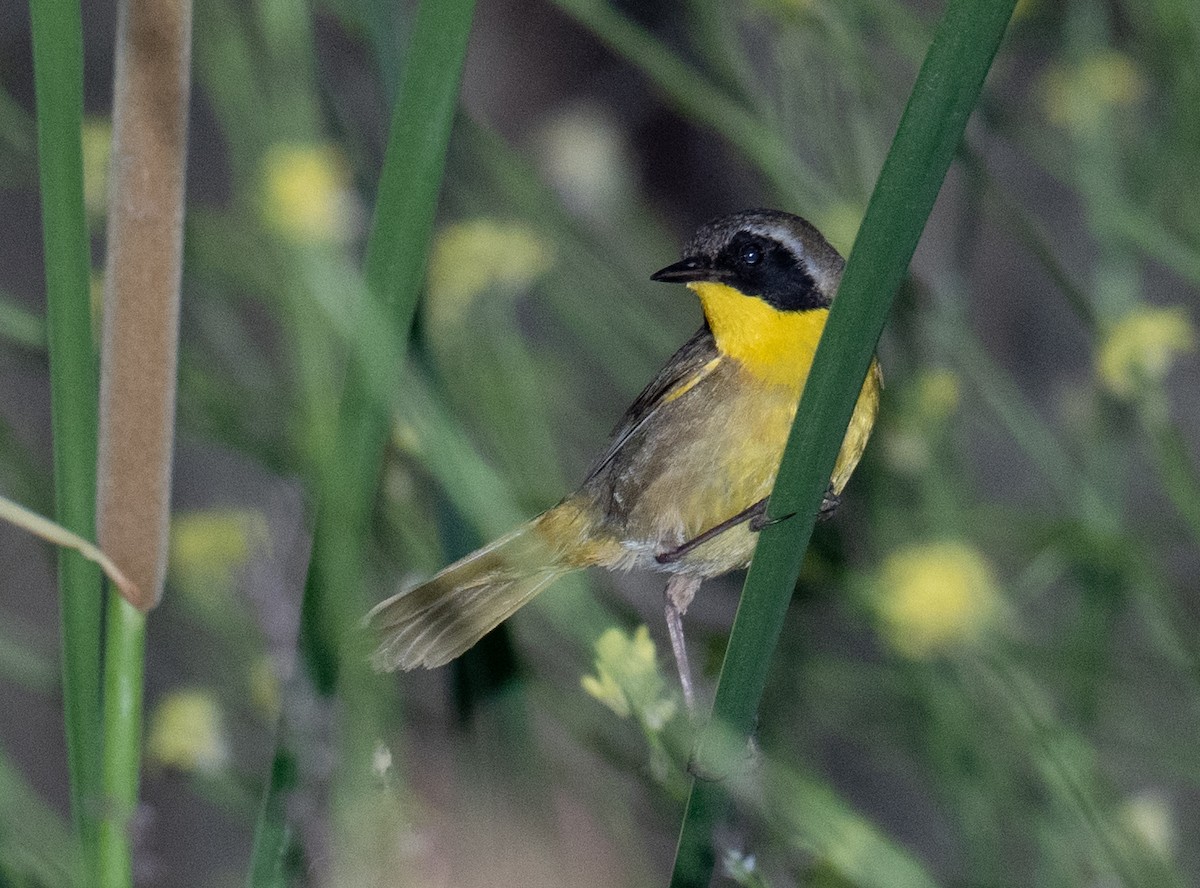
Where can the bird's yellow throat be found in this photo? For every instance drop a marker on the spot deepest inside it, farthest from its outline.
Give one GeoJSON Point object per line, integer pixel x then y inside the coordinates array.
{"type": "Point", "coordinates": [776, 346]}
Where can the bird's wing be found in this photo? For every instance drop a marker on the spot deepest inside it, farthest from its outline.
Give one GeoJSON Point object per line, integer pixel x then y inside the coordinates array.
{"type": "Point", "coordinates": [689, 365]}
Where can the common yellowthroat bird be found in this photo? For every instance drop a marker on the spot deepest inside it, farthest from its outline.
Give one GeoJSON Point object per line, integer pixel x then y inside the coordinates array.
{"type": "Point", "coordinates": [682, 487]}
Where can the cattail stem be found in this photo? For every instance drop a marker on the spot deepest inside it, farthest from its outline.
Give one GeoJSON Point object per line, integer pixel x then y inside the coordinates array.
{"type": "Point", "coordinates": [137, 384]}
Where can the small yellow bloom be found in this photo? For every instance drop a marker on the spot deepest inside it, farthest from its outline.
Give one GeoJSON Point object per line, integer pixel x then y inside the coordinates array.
{"type": "Point", "coordinates": [604, 688]}
{"type": "Point", "coordinates": [938, 394]}
{"type": "Point", "coordinates": [1148, 815]}
{"type": "Point", "coordinates": [306, 194]}
{"type": "Point", "coordinates": [470, 258]}
{"type": "Point", "coordinates": [187, 733]}
{"type": "Point", "coordinates": [208, 549]}
{"type": "Point", "coordinates": [1141, 347]}
{"type": "Point", "coordinates": [907, 441]}
{"type": "Point", "coordinates": [96, 139]}
{"type": "Point", "coordinates": [934, 596]}
{"type": "Point", "coordinates": [627, 679]}
{"type": "Point", "coordinates": [906, 449]}
{"type": "Point", "coordinates": [1079, 96]}
{"type": "Point", "coordinates": [215, 537]}
{"type": "Point", "coordinates": [265, 692]}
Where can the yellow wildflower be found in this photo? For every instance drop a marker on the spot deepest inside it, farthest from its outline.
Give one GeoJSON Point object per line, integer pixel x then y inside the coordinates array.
{"type": "Point", "coordinates": [187, 733]}
{"type": "Point", "coordinates": [212, 537]}
{"type": "Point", "coordinates": [306, 194]}
{"type": "Point", "coordinates": [933, 399]}
{"type": "Point", "coordinates": [1148, 815]}
{"type": "Point", "coordinates": [627, 679]}
{"type": "Point", "coordinates": [1079, 96]}
{"type": "Point", "coordinates": [934, 596]}
{"type": "Point", "coordinates": [265, 692]}
{"type": "Point", "coordinates": [1141, 347]}
{"type": "Point", "coordinates": [207, 550]}
{"type": "Point", "coordinates": [96, 139]}
{"type": "Point", "coordinates": [470, 258]}
{"type": "Point", "coordinates": [938, 394]}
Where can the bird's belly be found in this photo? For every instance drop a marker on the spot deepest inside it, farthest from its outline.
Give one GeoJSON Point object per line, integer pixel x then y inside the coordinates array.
{"type": "Point", "coordinates": [681, 505]}
{"type": "Point", "coordinates": [723, 462]}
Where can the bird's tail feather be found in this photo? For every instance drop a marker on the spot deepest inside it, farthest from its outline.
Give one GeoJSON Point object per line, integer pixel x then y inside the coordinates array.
{"type": "Point", "coordinates": [433, 623]}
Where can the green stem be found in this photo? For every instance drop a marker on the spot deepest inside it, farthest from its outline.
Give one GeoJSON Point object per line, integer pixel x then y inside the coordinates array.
{"type": "Point", "coordinates": [1175, 468]}
{"type": "Point", "coordinates": [1064, 763]}
{"type": "Point", "coordinates": [395, 265]}
{"type": "Point", "coordinates": [58, 69]}
{"type": "Point", "coordinates": [27, 823]}
{"type": "Point", "coordinates": [123, 652]}
{"type": "Point", "coordinates": [346, 473]}
{"type": "Point", "coordinates": [946, 90]}
{"type": "Point", "coordinates": [273, 836]}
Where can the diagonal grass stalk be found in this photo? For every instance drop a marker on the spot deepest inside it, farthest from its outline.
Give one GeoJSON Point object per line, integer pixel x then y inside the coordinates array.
{"type": "Point", "coordinates": [347, 464]}
{"type": "Point", "coordinates": [403, 223]}
{"type": "Point", "coordinates": [39, 526]}
{"type": "Point", "coordinates": [58, 69]}
{"type": "Point", "coordinates": [943, 96]}
{"type": "Point", "coordinates": [273, 836]}
{"type": "Point", "coordinates": [30, 831]}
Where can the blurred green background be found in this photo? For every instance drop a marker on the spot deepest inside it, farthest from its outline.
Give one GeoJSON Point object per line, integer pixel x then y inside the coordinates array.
{"type": "Point", "coordinates": [991, 671]}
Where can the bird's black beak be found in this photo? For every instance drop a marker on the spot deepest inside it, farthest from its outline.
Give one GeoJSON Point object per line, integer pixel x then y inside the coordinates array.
{"type": "Point", "coordinates": [685, 271]}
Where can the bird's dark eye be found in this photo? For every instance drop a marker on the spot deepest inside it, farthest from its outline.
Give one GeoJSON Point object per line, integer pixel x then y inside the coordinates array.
{"type": "Point", "coordinates": [750, 254]}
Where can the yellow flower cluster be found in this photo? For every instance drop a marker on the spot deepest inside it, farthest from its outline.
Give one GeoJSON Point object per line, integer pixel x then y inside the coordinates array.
{"type": "Point", "coordinates": [207, 551]}
{"type": "Point", "coordinates": [96, 139]}
{"type": "Point", "coordinates": [935, 596]}
{"type": "Point", "coordinates": [306, 194]}
{"type": "Point", "coordinates": [212, 537]}
{"type": "Point", "coordinates": [931, 401]}
{"type": "Point", "coordinates": [1079, 96]}
{"type": "Point", "coordinates": [187, 733]}
{"type": "Point", "coordinates": [1141, 347]}
{"type": "Point", "coordinates": [938, 395]}
{"type": "Point", "coordinates": [1149, 816]}
{"type": "Point", "coordinates": [627, 679]}
{"type": "Point", "coordinates": [470, 258]}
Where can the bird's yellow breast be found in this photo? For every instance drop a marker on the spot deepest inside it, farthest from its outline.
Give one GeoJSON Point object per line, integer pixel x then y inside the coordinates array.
{"type": "Point", "coordinates": [776, 346]}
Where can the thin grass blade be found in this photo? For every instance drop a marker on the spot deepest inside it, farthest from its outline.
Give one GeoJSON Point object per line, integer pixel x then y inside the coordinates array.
{"type": "Point", "coordinates": [58, 71]}
{"type": "Point", "coordinates": [396, 251]}
{"type": "Point", "coordinates": [43, 527]}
